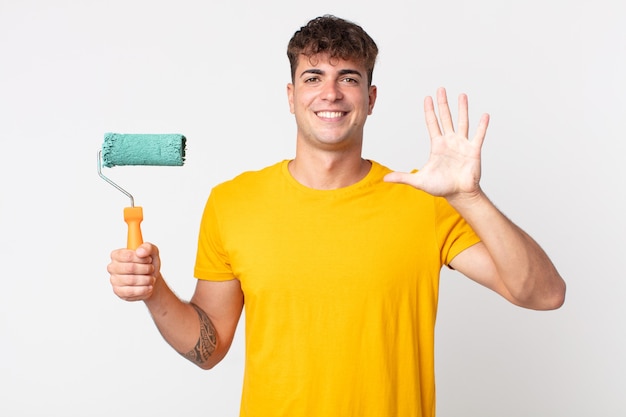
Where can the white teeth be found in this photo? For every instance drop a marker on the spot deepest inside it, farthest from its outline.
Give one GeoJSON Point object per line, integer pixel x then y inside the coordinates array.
{"type": "Point", "coordinates": [330, 114]}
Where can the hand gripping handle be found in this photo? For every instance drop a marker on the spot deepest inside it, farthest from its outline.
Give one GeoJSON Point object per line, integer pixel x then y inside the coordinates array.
{"type": "Point", "coordinates": [133, 217]}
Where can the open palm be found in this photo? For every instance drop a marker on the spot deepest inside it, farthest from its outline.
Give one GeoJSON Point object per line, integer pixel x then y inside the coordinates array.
{"type": "Point", "coordinates": [453, 168]}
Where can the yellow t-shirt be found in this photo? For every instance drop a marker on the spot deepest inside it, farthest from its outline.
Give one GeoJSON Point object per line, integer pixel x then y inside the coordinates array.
{"type": "Point", "coordinates": [340, 290]}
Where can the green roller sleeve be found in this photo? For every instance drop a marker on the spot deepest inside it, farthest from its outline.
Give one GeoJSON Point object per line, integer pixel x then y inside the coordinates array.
{"type": "Point", "coordinates": [143, 149]}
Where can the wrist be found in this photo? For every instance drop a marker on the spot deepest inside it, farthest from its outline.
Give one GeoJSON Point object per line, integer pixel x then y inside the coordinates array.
{"type": "Point", "coordinates": [467, 200]}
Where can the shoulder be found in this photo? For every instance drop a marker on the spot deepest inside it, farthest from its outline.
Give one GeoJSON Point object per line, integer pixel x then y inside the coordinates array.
{"type": "Point", "coordinates": [251, 179]}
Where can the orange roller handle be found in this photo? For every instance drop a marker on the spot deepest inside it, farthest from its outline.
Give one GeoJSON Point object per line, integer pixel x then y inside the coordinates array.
{"type": "Point", "coordinates": [133, 217]}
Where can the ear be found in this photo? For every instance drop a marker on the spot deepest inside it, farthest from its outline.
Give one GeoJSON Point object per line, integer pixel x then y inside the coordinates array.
{"type": "Point", "coordinates": [290, 88]}
{"type": "Point", "coordinates": [373, 92]}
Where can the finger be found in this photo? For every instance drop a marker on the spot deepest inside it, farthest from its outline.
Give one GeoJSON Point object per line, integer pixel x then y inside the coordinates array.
{"type": "Point", "coordinates": [402, 178]}
{"type": "Point", "coordinates": [398, 177]}
{"type": "Point", "coordinates": [133, 293]}
{"type": "Point", "coordinates": [132, 287]}
{"type": "Point", "coordinates": [432, 124]}
{"type": "Point", "coordinates": [481, 130]}
{"type": "Point", "coordinates": [127, 255]}
{"type": "Point", "coordinates": [123, 281]}
{"type": "Point", "coordinates": [146, 250]}
{"type": "Point", "coordinates": [463, 127]}
{"type": "Point", "coordinates": [444, 111]}
{"type": "Point", "coordinates": [130, 268]}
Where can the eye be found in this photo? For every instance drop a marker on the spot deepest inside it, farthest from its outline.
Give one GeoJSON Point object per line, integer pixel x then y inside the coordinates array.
{"type": "Point", "coordinates": [350, 80]}
{"type": "Point", "coordinates": [311, 79]}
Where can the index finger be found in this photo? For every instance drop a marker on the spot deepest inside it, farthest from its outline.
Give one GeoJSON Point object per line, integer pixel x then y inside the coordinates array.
{"type": "Point", "coordinates": [128, 255]}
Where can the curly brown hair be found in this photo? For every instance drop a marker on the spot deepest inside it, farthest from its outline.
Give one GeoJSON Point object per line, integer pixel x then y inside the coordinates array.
{"type": "Point", "coordinates": [337, 37]}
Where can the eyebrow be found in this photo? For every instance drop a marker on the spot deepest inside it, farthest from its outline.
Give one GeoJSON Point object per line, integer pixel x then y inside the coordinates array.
{"type": "Point", "coordinates": [346, 71]}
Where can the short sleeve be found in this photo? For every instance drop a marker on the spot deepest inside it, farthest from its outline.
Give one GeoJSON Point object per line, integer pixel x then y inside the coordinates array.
{"type": "Point", "coordinates": [454, 234]}
{"type": "Point", "coordinates": [212, 261]}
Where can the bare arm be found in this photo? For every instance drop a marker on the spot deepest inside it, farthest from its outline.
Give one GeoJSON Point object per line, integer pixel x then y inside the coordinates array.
{"type": "Point", "coordinates": [507, 260]}
{"type": "Point", "coordinates": [201, 330]}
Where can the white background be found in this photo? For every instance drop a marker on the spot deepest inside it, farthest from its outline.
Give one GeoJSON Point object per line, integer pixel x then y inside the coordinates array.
{"type": "Point", "coordinates": [551, 74]}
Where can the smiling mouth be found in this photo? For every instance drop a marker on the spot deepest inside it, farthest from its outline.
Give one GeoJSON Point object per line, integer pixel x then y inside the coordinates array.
{"type": "Point", "coordinates": [330, 114]}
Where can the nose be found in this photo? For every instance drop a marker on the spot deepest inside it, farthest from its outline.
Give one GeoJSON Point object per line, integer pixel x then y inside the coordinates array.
{"type": "Point", "coordinates": [331, 92]}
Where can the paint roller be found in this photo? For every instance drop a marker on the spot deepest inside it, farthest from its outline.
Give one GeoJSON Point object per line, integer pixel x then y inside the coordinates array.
{"type": "Point", "coordinates": [139, 149]}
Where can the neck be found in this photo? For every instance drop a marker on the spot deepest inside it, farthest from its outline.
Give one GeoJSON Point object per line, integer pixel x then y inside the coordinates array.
{"type": "Point", "coordinates": [324, 171]}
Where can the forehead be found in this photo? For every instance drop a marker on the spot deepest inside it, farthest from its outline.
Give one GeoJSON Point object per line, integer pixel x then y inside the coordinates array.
{"type": "Point", "coordinates": [326, 61]}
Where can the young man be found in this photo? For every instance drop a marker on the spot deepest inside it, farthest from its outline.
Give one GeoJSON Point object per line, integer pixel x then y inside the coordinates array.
{"type": "Point", "coordinates": [338, 257]}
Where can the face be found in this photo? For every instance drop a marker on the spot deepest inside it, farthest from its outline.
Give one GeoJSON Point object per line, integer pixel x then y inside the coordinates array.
{"type": "Point", "coordinates": [331, 101]}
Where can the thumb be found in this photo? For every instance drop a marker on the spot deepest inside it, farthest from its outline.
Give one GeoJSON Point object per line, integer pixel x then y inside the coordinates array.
{"type": "Point", "coordinates": [146, 250]}
{"type": "Point", "coordinates": [400, 178]}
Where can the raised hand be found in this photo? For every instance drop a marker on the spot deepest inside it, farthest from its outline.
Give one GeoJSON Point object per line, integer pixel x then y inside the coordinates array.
{"type": "Point", "coordinates": [453, 168]}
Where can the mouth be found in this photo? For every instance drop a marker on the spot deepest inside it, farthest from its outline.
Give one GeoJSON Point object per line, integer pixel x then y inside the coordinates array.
{"type": "Point", "coordinates": [329, 115]}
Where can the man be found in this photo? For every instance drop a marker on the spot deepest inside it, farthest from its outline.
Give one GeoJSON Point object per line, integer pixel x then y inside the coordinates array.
{"type": "Point", "coordinates": [338, 257]}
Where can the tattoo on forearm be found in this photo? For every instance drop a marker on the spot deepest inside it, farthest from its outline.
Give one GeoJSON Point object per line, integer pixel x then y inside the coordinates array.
{"type": "Point", "coordinates": [206, 342]}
